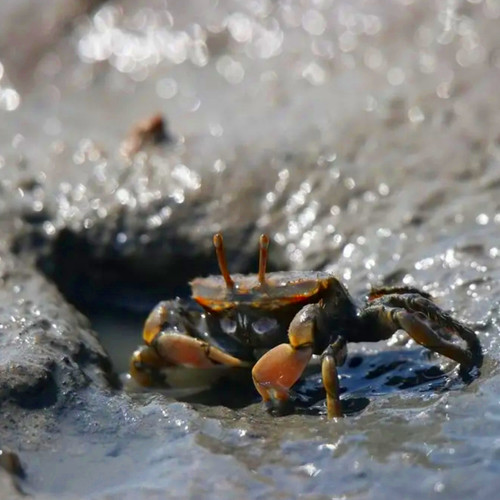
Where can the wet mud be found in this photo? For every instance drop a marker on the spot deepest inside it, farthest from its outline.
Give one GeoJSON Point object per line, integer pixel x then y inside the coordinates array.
{"type": "Point", "coordinates": [364, 138]}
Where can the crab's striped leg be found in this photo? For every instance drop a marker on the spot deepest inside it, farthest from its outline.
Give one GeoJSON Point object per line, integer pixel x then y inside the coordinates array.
{"type": "Point", "coordinates": [421, 332]}
{"type": "Point", "coordinates": [419, 317]}
{"type": "Point", "coordinates": [388, 320]}
{"type": "Point", "coordinates": [282, 366]}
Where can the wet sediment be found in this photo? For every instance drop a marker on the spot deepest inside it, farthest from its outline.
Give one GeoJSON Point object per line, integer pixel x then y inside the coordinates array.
{"type": "Point", "coordinates": [363, 138]}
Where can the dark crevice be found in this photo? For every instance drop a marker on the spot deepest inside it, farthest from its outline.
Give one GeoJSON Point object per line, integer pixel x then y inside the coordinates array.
{"type": "Point", "coordinates": [41, 394]}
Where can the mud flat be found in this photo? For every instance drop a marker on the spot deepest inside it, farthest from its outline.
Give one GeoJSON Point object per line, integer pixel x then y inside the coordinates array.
{"type": "Point", "coordinates": [364, 138]}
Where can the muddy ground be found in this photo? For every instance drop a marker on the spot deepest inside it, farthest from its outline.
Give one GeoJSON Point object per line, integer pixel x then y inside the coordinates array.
{"type": "Point", "coordinates": [364, 137]}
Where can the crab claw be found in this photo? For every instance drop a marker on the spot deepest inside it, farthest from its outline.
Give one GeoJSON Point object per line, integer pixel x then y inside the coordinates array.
{"type": "Point", "coordinates": [277, 371]}
{"type": "Point", "coordinates": [282, 366]}
{"type": "Point", "coordinates": [179, 349]}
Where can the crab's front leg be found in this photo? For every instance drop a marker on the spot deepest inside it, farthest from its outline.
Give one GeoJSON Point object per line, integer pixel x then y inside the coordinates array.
{"type": "Point", "coordinates": [276, 371]}
{"type": "Point", "coordinates": [333, 356]}
{"type": "Point", "coordinates": [168, 345]}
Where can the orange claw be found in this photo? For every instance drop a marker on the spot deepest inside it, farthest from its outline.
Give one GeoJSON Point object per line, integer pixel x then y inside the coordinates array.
{"type": "Point", "coordinates": [221, 259]}
{"type": "Point", "coordinates": [179, 349]}
{"type": "Point", "coordinates": [278, 370]}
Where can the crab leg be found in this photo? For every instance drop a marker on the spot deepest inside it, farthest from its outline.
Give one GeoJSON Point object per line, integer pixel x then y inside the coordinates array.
{"type": "Point", "coordinates": [419, 331]}
{"type": "Point", "coordinates": [418, 311]}
{"type": "Point", "coordinates": [377, 292]}
{"type": "Point", "coordinates": [333, 356]}
{"type": "Point", "coordinates": [263, 246]}
{"type": "Point", "coordinates": [415, 324]}
{"type": "Point", "coordinates": [221, 259]}
{"type": "Point", "coordinates": [155, 322]}
{"type": "Point", "coordinates": [276, 371]}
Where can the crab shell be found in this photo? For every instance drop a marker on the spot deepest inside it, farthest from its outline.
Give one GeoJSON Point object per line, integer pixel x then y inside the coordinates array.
{"type": "Point", "coordinates": [257, 315]}
{"type": "Point", "coordinates": [280, 289]}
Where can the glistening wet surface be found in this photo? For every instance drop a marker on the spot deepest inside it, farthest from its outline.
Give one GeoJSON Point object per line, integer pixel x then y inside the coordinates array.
{"type": "Point", "coordinates": [363, 137]}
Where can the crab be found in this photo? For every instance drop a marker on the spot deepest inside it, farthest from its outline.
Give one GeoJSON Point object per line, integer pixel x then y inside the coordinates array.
{"type": "Point", "coordinates": [275, 322]}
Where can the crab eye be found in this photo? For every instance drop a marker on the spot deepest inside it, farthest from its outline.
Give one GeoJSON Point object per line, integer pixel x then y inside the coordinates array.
{"type": "Point", "coordinates": [264, 325]}
{"type": "Point", "coordinates": [228, 326]}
